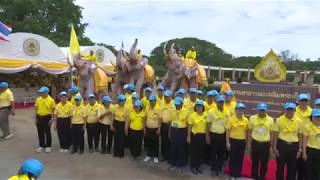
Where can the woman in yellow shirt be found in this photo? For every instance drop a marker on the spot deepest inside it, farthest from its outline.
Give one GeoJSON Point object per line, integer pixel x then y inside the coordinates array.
{"type": "Point", "coordinates": [134, 128]}
{"type": "Point", "coordinates": [311, 146]}
{"type": "Point", "coordinates": [166, 108]}
{"type": "Point", "coordinates": [152, 130]}
{"type": "Point", "coordinates": [197, 125]}
{"type": "Point", "coordinates": [287, 142]}
{"type": "Point", "coordinates": [78, 120]}
{"type": "Point", "coordinates": [30, 169]}
{"type": "Point", "coordinates": [62, 119]}
{"type": "Point", "coordinates": [105, 120]}
{"type": "Point", "coordinates": [6, 107]}
{"type": "Point", "coordinates": [236, 137]}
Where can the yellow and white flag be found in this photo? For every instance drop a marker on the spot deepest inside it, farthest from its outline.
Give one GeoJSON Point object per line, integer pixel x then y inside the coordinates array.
{"type": "Point", "coordinates": [74, 43]}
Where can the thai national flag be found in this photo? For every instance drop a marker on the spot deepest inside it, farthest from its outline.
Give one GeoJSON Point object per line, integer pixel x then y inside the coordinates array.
{"type": "Point", "coordinates": [5, 30]}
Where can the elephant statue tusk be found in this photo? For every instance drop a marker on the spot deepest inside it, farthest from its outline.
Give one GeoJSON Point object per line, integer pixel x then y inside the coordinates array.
{"type": "Point", "coordinates": [132, 54]}
{"type": "Point", "coordinates": [164, 48]}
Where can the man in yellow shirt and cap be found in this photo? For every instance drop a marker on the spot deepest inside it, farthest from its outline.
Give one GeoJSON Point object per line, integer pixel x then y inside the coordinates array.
{"type": "Point", "coordinates": [6, 107]}
{"type": "Point", "coordinates": [191, 54]}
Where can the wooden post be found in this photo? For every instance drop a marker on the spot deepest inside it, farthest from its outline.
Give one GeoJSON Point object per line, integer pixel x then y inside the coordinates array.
{"type": "Point", "coordinates": [220, 74]}
{"type": "Point", "coordinates": [234, 74]}
{"type": "Point", "coordinates": [248, 74]}
{"type": "Point", "coordinates": [305, 74]}
{"type": "Point", "coordinates": [208, 72]}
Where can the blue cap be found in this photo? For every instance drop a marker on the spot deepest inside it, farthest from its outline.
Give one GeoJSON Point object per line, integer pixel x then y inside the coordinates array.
{"type": "Point", "coordinates": [200, 92]}
{"type": "Point", "coordinates": [160, 87]}
{"type": "Point", "coordinates": [213, 93]}
{"type": "Point", "coordinates": [178, 101]}
{"type": "Point", "coordinates": [315, 112]}
{"type": "Point", "coordinates": [138, 104]}
{"type": "Point", "coordinates": [125, 87]}
{"type": "Point", "coordinates": [240, 106]}
{"type": "Point", "coordinates": [78, 98]}
{"type": "Point", "coordinates": [43, 89]}
{"type": "Point", "coordinates": [74, 89]}
{"type": "Point", "coordinates": [121, 97]}
{"type": "Point", "coordinates": [181, 91]}
{"type": "Point", "coordinates": [193, 90]}
{"type": "Point", "coordinates": [135, 96]}
{"type": "Point", "coordinates": [317, 101]}
{"type": "Point", "coordinates": [167, 93]}
{"type": "Point", "coordinates": [63, 93]}
{"type": "Point", "coordinates": [148, 89]}
{"type": "Point", "coordinates": [220, 98]}
{"type": "Point", "coordinates": [4, 85]}
{"type": "Point", "coordinates": [33, 167]}
{"type": "Point", "coordinates": [303, 96]}
{"type": "Point", "coordinates": [262, 106]}
{"type": "Point", "coordinates": [106, 99]}
{"type": "Point", "coordinates": [229, 92]}
{"type": "Point", "coordinates": [152, 98]}
{"type": "Point", "coordinates": [91, 96]}
{"type": "Point", "coordinates": [131, 87]}
{"type": "Point", "coordinates": [289, 105]}
{"type": "Point", "coordinates": [199, 103]}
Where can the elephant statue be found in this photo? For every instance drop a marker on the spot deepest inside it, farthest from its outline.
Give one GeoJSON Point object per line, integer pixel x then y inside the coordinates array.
{"type": "Point", "coordinates": [122, 75]}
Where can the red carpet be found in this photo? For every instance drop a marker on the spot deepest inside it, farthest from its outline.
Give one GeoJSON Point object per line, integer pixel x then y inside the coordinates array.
{"type": "Point", "coordinates": [22, 105]}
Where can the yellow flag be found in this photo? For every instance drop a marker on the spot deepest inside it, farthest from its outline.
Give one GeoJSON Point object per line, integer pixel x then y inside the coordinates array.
{"type": "Point", "coordinates": [74, 43]}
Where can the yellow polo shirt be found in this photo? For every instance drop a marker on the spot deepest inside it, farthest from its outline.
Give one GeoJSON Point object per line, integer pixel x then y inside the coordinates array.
{"type": "Point", "coordinates": [261, 128]}
{"type": "Point", "coordinates": [72, 99]}
{"type": "Point", "coordinates": [137, 120]}
{"type": "Point", "coordinates": [231, 107]}
{"type": "Point", "coordinates": [179, 118]}
{"type": "Point", "coordinates": [153, 116]}
{"type": "Point", "coordinates": [218, 120]}
{"type": "Point", "coordinates": [63, 111]}
{"type": "Point", "coordinates": [313, 133]}
{"type": "Point", "coordinates": [6, 97]}
{"type": "Point", "coordinates": [208, 106]}
{"type": "Point", "coordinates": [198, 122]}
{"type": "Point", "coordinates": [20, 177]}
{"type": "Point", "coordinates": [120, 113]}
{"type": "Point", "coordinates": [303, 115]}
{"type": "Point", "coordinates": [166, 111]}
{"type": "Point", "coordinates": [106, 120]}
{"type": "Point", "coordinates": [160, 100]}
{"type": "Point", "coordinates": [189, 105]}
{"type": "Point", "coordinates": [93, 112]}
{"type": "Point", "coordinates": [237, 127]}
{"type": "Point", "coordinates": [79, 115]}
{"type": "Point", "coordinates": [45, 106]}
{"type": "Point", "coordinates": [145, 102]}
{"type": "Point", "coordinates": [288, 129]}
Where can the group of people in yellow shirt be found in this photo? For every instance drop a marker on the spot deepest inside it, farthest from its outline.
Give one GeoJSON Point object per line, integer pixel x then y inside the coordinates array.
{"type": "Point", "coordinates": [186, 124]}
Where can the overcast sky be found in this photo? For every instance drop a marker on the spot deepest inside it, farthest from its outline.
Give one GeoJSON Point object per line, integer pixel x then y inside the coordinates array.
{"type": "Point", "coordinates": [242, 28]}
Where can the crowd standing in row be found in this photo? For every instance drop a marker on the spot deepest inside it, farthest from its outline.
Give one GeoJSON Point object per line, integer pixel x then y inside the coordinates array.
{"type": "Point", "coordinates": [208, 129]}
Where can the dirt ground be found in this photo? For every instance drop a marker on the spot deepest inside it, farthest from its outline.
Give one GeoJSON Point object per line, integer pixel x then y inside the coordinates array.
{"type": "Point", "coordinates": [61, 166]}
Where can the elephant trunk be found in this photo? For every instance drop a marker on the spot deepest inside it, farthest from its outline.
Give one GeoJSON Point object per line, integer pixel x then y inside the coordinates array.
{"type": "Point", "coordinates": [133, 49]}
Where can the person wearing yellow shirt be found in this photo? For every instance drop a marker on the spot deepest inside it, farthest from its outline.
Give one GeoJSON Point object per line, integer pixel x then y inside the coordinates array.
{"type": "Point", "coordinates": [30, 169]}
{"type": "Point", "coordinates": [216, 134]}
{"type": "Point", "coordinates": [145, 99]}
{"type": "Point", "coordinates": [317, 103]}
{"type": "Point", "coordinates": [74, 91]}
{"type": "Point", "coordinates": [153, 125]}
{"type": "Point", "coordinates": [105, 120]}
{"type": "Point", "coordinates": [160, 94]}
{"type": "Point", "coordinates": [180, 54]}
{"type": "Point", "coordinates": [180, 93]}
{"type": "Point", "coordinates": [178, 136]}
{"type": "Point", "coordinates": [192, 54]}
{"type": "Point", "coordinates": [303, 112]}
{"type": "Point", "coordinates": [287, 142]}
{"type": "Point", "coordinates": [91, 57]}
{"type": "Point", "coordinates": [236, 139]}
{"type": "Point", "coordinates": [190, 102]}
{"type": "Point", "coordinates": [200, 95]}
{"type": "Point", "coordinates": [311, 146]}
{"type": "Point", "coordinates": [6, 107]}
{"type": "Point", "coordinates": [121, 114]}
{"type": "Point", "coordinates": [134, 128]}
{"type": "Point", "coordinates": [93, 114]}
{"type": "Point", "coordinates": [62, 121]}
{"type": "Point", "coordinates": [129, 90]}
{"type": "Point", "coordinates": [230, 101]}
{"type": "Point", "coordinates": [78, 121]}
{"type": "Point", "coordinates": [210, 103]}
{"type": "Point", "coordinates": [44, 106]}
{"type": "Point", "coordinates": [260, 140]}
{"type": "Point", "coordinates": [197, 127]}
{"type": "Point", "coordinates": [166, 109]}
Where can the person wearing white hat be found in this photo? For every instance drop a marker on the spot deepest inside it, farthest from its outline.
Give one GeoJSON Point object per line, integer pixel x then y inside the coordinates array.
{"type": "Point", "coordinates": [6, 107]}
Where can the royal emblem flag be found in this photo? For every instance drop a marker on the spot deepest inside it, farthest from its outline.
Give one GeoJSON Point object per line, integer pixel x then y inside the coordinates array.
{"type": "Point", "coordinates": [5, 30]}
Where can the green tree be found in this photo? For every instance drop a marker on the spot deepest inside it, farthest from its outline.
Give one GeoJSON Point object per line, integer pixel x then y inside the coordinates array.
{"type": "Point", "coordinates": [48, 18]}
{"type": "Point", "coordinates": [111, 48]}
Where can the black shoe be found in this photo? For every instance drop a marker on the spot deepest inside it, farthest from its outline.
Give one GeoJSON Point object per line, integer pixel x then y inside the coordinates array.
{"type": "Point", "coordinates": [96, 149]}
{"type": "Point", "coordinates": [162, 159]}
{"type": "Point", "coordinates": [194, 171]}
{"type": "Point", "coordinates": [91, 151]}
{"type": "Point", "coordinates": [109, 151]}
{"type": "Point", "coordinates": [199, 171]}
{"type": "Point", "coordinates": [73, 151]}
{"type": "Point", "coordinates": [103, 152]}
{"type": "Point", "coordinates": [81, 152]}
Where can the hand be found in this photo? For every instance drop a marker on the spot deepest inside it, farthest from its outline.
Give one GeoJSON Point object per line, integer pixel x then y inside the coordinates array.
{"type": "Point", "coordinates": [158, 131]}
{"type": "Point", "coordinates": [228, 146]}
{"type": "Point", "coordinates": [276, 152]}
{"type": "Point", "coordinates": [113, 129]}
{"type": "Point", "coordinates": [304, 156]}
{"type": "Point", "coordinates": [188, 140]}
{"type": "Point", "coordinates": [84, 127]}
{"type": "Point", "coordinates": [126, 132]}
{"type": "Point", "coordinates": [13, 112]}
{"type": "Point", "coordinates": [54, 126]}
{"type": "Point", "coordinates": [298, 154]}
{"type": "Point", "coordinates": [207, 139]}
{"type": "Point", "coordinates": [144, 132]}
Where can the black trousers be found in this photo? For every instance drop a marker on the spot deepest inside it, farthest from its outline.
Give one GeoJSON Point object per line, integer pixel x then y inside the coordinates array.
{"type": "Point", "coordinates": [218, 149]}
{"type": "Point", "coordinates": [93, 135]}
{"type": "Point", "coordinates": [237, 148]}
{"type": "Point", "coordinates": [260, 152]}
{"type": "Point", "coordinates": [135, 139]}
{"type": "Point", "coordinates": [152, 140]}
{"type": "Point", "coordinates": [288, 156]}
{"type": "Point", "coordinates": [44, 130]}
{"type": "Point", "coordinates": [301, 169]}
{"type": "Point", "coordinates": [77, 137]}
{"type": "Point", "coordinates": [197, 150]}
{"type": "Point", "coordinates": [178, 147]}
{"type": "Point", "coordinates": [165, 141]}
{"type": "Point", "coordinates": [118, 147]}
{"type": "Point", "coordinates": [313, 164]}
{"type": "Point", "coordinates": [64, 132]}
{"type": "Point", "coordinates": [104, 132]}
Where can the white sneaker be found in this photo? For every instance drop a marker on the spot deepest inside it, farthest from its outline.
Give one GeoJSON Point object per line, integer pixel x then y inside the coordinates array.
{"type": "Point", "coordinates": [61, 150]}
{"type": "Point", "coordinates": [155, 160]}
{"type": "Point", "coordinates": [147, 159]}
{"type": "Point", "coordinates": [8, 136]}
{"type": "Point", "coordinates": [66, 150]}
{"type": "Point", "coordinates": [39, 149]}
{"type": "Point", "coordinates": [48, 150]}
